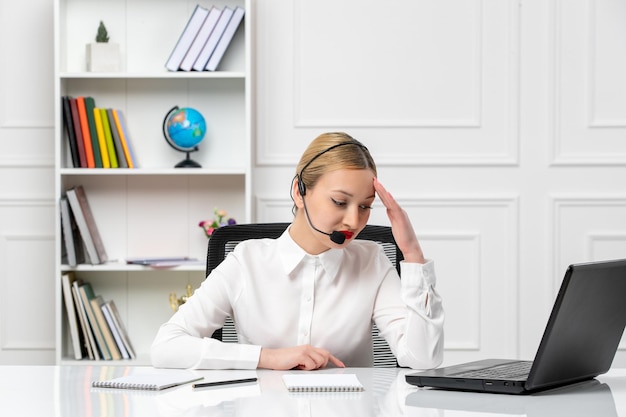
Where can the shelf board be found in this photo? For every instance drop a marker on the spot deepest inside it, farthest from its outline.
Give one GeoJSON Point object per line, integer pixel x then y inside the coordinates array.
{"type": "Point", "coordinates": [154, 75]}
{"type": "Point", "coordinates": [117, 266]}
{"type": "Point", "coordinates": [142, 359]}
{"type": "Point", "coordinates": [152, 171]}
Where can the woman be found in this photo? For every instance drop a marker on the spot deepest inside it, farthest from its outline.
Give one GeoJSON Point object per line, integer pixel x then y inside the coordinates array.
{"type": "Point", "coordinates": [307, 299]}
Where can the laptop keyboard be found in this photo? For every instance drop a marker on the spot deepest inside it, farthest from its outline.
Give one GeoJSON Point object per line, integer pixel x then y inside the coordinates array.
{"type": "Point", "coordinates": [505, 371]}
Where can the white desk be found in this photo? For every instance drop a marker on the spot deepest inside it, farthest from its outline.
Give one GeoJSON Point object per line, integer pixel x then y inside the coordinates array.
{"type": "Point", "coordinates": [64, 391]}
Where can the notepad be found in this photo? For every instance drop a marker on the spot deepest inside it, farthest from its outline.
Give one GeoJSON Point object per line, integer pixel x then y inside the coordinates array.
{"type": "Point", "coordinates": [148, 381]}
{"type": "Point", "coordinates": [322, 383]}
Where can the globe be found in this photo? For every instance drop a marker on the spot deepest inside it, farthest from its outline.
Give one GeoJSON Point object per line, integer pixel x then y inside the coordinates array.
{"type": "Point", "coordinates": [184, 128]}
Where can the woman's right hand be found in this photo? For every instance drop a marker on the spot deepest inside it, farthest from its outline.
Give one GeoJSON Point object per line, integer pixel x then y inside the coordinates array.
{"type": "Point", "coordinates": [304, 357]}
{"type": "Point", "coordinates": [401, 226]}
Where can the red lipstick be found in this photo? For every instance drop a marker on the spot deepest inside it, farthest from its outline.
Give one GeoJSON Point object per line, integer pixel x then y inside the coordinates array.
{"type": "Point", "coordinates": [348, 234]}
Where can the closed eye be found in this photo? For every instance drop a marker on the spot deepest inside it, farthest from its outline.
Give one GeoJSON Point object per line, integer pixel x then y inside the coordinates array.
{"type": "Point", "coordinates": [343, 204]}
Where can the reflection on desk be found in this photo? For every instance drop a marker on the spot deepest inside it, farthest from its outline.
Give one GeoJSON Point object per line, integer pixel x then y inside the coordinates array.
{"type": "Point", "coordinates": [266, 397]}
{"type": "Point", "coordinates": [605, 396]}
{"type": "Point", "coordinates": [65, 391]}
{"type": "Point", "coordinates": [590, 398]}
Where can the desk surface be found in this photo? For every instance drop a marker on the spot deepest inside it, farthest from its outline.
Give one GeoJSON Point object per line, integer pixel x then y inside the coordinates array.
{"type": "Point", "coordinates": [65, 391]}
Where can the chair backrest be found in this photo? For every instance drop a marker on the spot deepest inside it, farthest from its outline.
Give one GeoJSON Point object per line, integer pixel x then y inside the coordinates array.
{"type": "Point", "coordinates": [224, 240]}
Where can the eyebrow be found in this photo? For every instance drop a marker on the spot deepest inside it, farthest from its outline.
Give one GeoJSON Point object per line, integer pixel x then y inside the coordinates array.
{"type": "Point", "coordinates": [351, 195]}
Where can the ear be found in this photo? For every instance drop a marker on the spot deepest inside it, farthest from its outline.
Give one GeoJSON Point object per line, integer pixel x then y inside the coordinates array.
{"type": "Point", "coordinates": [295, 193]}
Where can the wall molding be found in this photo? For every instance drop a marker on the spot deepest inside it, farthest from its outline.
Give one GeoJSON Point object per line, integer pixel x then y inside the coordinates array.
{"type": "Point", "coordinates": [594, 128]}
{"type": "Point", "coordinates": [484, 139]}
{"type": "Point", "coordinates": [474, 241]}
{"type": "Point", "coordinates": [6, 342]}
{"type": "Point", "coordinates": [560, 202]}
{"type": "Point", "coordinates": [26, 162]}
{"type": "Point", "coordinates": [25, 201]}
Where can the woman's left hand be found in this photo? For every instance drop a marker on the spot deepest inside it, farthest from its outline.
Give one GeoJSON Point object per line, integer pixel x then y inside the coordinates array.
{"type": "Point", "coordinates": [401, 226]}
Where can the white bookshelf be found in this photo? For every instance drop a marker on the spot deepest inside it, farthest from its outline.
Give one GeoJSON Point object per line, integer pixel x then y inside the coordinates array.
{"type": "Point", "coordinates": [152, 210]}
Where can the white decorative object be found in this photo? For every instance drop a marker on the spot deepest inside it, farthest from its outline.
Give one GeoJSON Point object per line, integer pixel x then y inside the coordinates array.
{"type": "Point", "coordinates": [103, 57]}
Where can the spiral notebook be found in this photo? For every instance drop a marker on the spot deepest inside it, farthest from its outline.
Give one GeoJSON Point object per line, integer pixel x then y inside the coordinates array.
{"type": "Point", "coordinates": [322, 383]}
{"type": "Point", "coordinates": [148, 381]}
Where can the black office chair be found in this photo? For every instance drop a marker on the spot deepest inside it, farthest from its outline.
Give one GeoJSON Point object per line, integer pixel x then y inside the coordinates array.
{"type": "Point", "coordinates": [224, 240]}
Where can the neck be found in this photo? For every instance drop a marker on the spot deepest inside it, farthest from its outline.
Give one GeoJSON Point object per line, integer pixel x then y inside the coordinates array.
{"type": "Point", "coordinates": [307, 238]}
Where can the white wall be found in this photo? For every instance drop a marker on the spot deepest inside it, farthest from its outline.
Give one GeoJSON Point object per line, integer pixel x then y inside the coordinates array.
{"type": "Point", "coordinates": [498, 124]}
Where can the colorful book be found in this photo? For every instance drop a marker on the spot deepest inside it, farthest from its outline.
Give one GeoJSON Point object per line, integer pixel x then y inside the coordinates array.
{"type": "Point", "coordinates": [88, 338]}
{"type": "Point", "coordinates": [127, 137]}
{"type": "Point", "coordinates": [119, 324]}
{"type": "Point", "coordinates": [213, 40]}
{"type": "Point", "coordinates": [201, 39]}
{"type": "Point", "coordinates": [102, 142]}
{"type": "Point", "coordinates": [225, 40]}
{"type": "Point", "coordinates": [86, 295]}
{"type": "Point", "coordinates": [107, 334]}
{"type": "Point", "coordinates": [119, 149]}
{"type": "Point", "coordinates": [109, 138]}
{"type": "Point", "coordinates": [121, 131]}
{"type": "Point", "coordinates": [66, 282]}
{"type": "Point", "coordinates": [87, 225]}
{"type": "Point", "coordinates": [90, 104]}
{"type": "Point", "coordinates": [71, 235]}
{"type": "Point", "coordinates": [189, 33]}
{"type": "Point", "coordinates": [78, 133]}
{"type": "Point", "coordinates": [69, 130]}
{"type": "Point", "coordinates": [115, 332]}
{"type": "Point", "coordinates": [84, 127]}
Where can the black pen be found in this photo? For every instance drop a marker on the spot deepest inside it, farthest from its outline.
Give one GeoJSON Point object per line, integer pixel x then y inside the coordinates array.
{"type": "Point", "coordinates": [217, 383]}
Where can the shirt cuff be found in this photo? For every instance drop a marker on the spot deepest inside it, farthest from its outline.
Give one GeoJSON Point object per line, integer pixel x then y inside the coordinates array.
{"type": "Point", "coordinates": [228, 356]}
{"type": "Point", "coordinates": [418, 285]}
{"type": "Point", "coordinates": [420, 275]}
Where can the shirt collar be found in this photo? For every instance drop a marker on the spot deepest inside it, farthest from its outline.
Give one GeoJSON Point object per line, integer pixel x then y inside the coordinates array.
{"type": "Point", "coordinates": [292, 255]}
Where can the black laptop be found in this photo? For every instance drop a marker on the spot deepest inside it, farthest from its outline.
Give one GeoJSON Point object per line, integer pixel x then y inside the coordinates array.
{"type": "Point", "coordinates": [579, 342]}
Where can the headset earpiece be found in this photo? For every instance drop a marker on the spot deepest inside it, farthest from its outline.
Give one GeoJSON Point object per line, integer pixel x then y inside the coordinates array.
{"type": "Point", "coordinates": [301, 187]}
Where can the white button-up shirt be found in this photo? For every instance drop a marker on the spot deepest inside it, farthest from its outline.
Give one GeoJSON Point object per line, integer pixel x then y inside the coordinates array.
{"type": "Point", "coordinates": [280, 296]}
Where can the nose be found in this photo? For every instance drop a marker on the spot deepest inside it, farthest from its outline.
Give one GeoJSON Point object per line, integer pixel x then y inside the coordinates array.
{"type": "Point", "coordinates": [351, 217]}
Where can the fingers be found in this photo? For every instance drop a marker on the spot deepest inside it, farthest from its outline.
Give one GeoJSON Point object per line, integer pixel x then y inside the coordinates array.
{"type": "Point", "coordinates": [385, 196]}
{"type": "Point", "coordinates": [401, 226]}
{"type": "Point", "coordinates": [317, 358]}
{"type": "Point", "coordinates": [337, 362]}
{"type": "Point", "coordinates": [304, 357]}
{"type": "Point", "coordinates": [312, 359]}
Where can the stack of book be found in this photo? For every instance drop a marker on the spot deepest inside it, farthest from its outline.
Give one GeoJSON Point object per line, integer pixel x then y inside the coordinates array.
{"type": "Point", "coordinates": [81, 239]}
{"type": "Point", "coordinates": [95, 325]}
{"type": "Point", "coordinates": [204, 40]}
{"type": "Point", "coordinates": [97, 137]}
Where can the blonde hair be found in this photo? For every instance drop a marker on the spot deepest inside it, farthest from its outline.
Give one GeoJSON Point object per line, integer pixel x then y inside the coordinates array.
{"type": "Point", "coordinates": [330, 152]}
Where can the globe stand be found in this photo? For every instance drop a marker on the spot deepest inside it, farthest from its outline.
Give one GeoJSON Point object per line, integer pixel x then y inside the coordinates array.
{"type": "Point", "coordinates": [188, 163]}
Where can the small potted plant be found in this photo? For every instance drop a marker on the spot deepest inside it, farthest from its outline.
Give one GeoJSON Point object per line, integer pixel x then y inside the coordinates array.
{"type": "Point", "coordinates": [219, 219]}
{"type": "Point", "coordinates": [102, 55]}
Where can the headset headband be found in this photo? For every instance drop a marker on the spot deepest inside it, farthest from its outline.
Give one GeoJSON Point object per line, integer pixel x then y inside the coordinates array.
{"type": "Point", "coordinates": [301, 186]}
